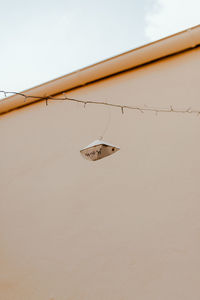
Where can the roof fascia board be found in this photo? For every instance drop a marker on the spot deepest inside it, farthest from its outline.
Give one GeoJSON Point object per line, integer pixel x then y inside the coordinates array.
{"type": "Point", "coordinates": [173, 44]}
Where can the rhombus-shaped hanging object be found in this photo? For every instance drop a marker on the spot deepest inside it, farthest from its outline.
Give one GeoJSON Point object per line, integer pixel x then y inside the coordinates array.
{"type": "Point", "coordinates": [97, 150]}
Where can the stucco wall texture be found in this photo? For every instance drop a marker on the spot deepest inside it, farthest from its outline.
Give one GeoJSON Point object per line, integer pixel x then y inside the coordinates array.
{"type": "Point", "coordinates": [125, 227]}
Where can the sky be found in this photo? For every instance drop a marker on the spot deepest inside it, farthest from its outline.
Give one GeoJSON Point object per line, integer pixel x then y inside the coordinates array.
{"type": "Point", "coordinates": [42, 40]}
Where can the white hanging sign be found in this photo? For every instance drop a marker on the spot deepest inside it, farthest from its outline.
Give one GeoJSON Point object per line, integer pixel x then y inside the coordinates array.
{"type": "Point", "coordinates": [97, 150]}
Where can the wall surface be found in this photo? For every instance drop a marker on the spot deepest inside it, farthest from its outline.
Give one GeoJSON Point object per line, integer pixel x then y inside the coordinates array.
{"type": "Point", "coordinates": [122, 228]}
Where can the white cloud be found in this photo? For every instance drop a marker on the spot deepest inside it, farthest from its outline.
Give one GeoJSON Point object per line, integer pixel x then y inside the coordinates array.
{"type": "Point", "coordinates": [170, 16]}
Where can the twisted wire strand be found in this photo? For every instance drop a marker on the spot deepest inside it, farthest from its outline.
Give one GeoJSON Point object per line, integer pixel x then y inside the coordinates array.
{"type": "Point", "coordinates": [122, 107]}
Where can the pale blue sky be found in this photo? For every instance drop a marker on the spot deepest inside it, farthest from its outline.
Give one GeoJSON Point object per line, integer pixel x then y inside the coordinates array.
{"type": "Point", "coordinates": [42, 40]}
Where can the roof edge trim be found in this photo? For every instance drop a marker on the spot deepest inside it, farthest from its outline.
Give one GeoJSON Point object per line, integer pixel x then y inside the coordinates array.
{"type": "Point", "coordinates": [170, 45]}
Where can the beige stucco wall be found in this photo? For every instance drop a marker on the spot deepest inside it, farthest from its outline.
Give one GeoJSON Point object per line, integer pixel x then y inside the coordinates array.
{"type": "Point", "coordinates": [122, 228]}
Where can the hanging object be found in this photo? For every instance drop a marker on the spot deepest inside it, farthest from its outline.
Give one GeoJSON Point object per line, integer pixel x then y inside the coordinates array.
{"type": "Point", "coordinates": [97, 150]}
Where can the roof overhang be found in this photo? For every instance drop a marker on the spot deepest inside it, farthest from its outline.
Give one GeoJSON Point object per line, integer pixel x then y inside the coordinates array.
{"type": "Point", "coordinates": [173, 44]}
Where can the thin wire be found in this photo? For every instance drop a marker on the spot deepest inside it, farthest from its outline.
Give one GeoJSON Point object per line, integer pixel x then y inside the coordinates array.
{"type": "Point", "coordinates": [121, 106]}
{"type": "Point", "coordinates": [107, 125]}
